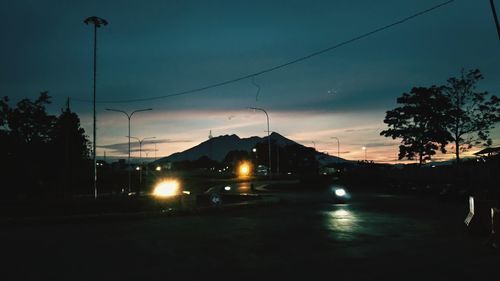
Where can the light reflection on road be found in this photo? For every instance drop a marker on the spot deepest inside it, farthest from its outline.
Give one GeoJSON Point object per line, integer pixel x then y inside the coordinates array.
{"type": "Point", "coordinates": [341, 222]}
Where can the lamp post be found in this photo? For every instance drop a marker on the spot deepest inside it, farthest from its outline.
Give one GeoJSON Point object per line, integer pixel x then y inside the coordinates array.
{"type": "Point", "coordinates": [364, 148]}
{"type": "Point", "coordinates": [98, 22]}
{"type": "Point", "coordinates": [155, 151]}
{"type": "Point", "coordinates": [140, 154]}
{"type": "Point", "coordinates": [268, 137]}
{"type": "Point", "coordinates": [129, 116]}
{"type": "Point", "coordinates": [338, 146]}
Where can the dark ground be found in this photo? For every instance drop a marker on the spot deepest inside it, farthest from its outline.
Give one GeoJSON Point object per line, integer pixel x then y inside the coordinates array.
{"type": "Point", "coordinates": [375, 237]}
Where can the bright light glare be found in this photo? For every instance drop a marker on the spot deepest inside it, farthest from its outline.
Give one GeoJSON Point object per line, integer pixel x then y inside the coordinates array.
{"type": "Point", "coordinates": [166, 188]}
{"type": "Point", "coordinates": [340, 192]}
{"type": "Point", "coordinates": [244, 169]}
{"type": "Point", "coordinates": [158, 168]}
{"type": "Point", "coordinates": [227, 188]}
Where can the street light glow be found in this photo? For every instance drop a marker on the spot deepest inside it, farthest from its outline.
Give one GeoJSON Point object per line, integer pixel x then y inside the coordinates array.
{"type": "Point", "coordinates": [167, 188]}
{"type": "Point", "coordinates": [244, 169]}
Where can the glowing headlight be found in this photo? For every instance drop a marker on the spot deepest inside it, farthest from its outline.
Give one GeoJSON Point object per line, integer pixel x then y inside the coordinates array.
{"type": "Point", "coordinates": [340, 192]}
{"type": "Point", "coordinates": [166, 188]}
{"type": "Point", "coordinates": [244, 169]}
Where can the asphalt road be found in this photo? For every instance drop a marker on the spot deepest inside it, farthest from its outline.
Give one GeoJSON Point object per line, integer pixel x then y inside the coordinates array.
{"type": "Point", "coordinates": [375, 237]}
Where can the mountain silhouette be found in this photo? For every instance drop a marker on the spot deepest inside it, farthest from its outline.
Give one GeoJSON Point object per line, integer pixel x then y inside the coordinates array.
{"type": "Point", "coordinates": [216, 148]}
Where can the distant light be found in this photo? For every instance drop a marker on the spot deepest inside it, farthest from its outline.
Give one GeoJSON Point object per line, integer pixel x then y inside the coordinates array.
{"type": "Point", "coordinates": [167, 188]}
{"type": "Point", "coordinates": [158, 168]}
{"type": "Point", "coordinates": [244, 169]}
{"type": "Point", "coordinates": [137, 168]}
{"type": "Point", "coordinates": [254, 150]}
{"type": "Point", "coordinates": [227, 188]}
{"type": "Point", "coordinates": [340, 192]}
{"type": "Point", "coordinates": [186, 192]}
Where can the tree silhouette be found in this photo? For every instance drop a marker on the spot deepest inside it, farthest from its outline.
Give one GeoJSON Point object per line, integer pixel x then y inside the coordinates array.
{"type": "Point", "coordinates": [29, 122]}
{"type": "Point", "coordinates": [471, 114]}
{"type": "Point", "coordinates": [70, 149]}
{"type": "Point", "coordinates": [39, 149]}
{"type": "Point", "coordinates": [419, 123]}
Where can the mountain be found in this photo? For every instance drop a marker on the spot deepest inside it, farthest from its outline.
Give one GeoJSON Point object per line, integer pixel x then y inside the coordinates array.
{"type": "Point", "coordinates": [217, 148]}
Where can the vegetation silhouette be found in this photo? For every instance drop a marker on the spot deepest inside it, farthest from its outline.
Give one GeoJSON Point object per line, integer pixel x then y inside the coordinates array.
{"type": "Point", "coordinates": [43, 153]}
{"type": "Point", "coordinates": [431, 118]}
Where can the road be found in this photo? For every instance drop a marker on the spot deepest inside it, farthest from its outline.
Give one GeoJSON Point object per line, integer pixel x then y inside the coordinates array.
{"type": "Point", "coordinates": [375, 237]}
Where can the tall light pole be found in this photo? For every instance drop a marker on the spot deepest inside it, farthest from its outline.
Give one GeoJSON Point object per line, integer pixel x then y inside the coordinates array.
{"type": "Point", "coordinates": [495, 18]}
{"type": "Point", "coordinates": [98, 22]}
{"type": "Point", "coordinates": [268, 137]}
{"type": "Point", "coordinates": [140, 154]}
{"type": "Point", "coordinates": [338, 146]}
{"type": "Point", "coordinates": [129, 168]}
{"type": "Point", "coordinates": [364, 148]}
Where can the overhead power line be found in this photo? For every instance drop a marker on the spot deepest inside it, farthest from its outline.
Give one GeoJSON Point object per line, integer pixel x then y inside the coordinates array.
{"type": "Point", "coordinates": [283, 65]}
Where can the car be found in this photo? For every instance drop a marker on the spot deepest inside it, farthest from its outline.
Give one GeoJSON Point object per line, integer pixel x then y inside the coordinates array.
{"type": "Point", "coordinates": [339, 194]}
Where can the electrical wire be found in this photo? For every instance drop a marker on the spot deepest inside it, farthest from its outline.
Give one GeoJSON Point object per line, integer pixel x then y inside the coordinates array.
{"type": "Point", "coordinates": [283, 65]}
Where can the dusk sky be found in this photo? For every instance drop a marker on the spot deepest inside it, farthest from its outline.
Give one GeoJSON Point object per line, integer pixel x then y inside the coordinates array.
{"type": "Point", "coordinates": [152, 50]}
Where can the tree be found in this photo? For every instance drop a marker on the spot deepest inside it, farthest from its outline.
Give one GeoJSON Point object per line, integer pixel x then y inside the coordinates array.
{"type": "Point", "coordinates": [4, 112]}
{"type": "Point", "coordinates": [37, 148]}
{"type": "Point", "coordinates": [29, 122]}
{"type": "Point", "coordinates": [70, 150]}
{"type": "Point", "coordinates": [233, 157]}
{"type": "Point", "coordinates": [419, 123]}
{"type": "Point", "coordinates": [69, 137]}
{"type": "Point", "coordinates": [471, 114]}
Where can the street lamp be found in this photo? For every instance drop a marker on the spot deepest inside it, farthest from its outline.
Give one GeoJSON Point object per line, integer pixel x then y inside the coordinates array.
{"type": "Point", "coordinates": [364, 148]}
{"type": "Point", "coordinates": [268, 138]}
{"type": "Point", "coordinates": [129, 116]}
{"type": "Point", "coordinates": [140, 144]}
{"type": "Point", "coordinates": [140, 154]}
{"type": "Point", "coordinates": [98, 22]}
{"type": "Point", "coordinates": [338, 146]}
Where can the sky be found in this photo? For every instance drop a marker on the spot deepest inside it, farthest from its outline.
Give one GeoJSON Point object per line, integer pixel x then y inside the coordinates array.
{"type": "Point", "coordinates": [151, 50]}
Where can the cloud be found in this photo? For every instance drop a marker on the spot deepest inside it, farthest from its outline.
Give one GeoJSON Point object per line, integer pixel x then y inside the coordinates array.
{"type": "Point", "coordinates": [134, 145]}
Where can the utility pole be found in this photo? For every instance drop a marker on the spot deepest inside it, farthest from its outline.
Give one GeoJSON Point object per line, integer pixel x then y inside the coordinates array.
{"type": "Point", "coordinates": [338, 146]}
{"type": "Point", "coordinates": [268, 137]}
{"type": "Point", "coordinates": [98, 22]}
{"type": "Point", "coordinates": [495, 18]}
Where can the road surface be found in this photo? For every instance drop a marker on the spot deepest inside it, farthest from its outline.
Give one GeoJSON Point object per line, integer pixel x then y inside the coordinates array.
{"type": "Point", "coordinates": [375, 237]}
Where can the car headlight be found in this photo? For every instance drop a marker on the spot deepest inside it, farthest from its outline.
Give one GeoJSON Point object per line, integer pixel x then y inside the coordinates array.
{"type": "Point", "coordinates": [167, 188]}
{"type": "Point", "coordinates": [340, 192]}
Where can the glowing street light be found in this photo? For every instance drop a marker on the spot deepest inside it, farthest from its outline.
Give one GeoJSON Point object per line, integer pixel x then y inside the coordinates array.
{"type": "Point", "coordinates": [129, 116]}
{"type": "Point", "coordinates": [268, 137]}
{"type": "Point", "coordinates": [364, 148]}
{"type": "Point", "coordinates": [97, 22]}
{"type": "Point", "coordinates": [244, 169]}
